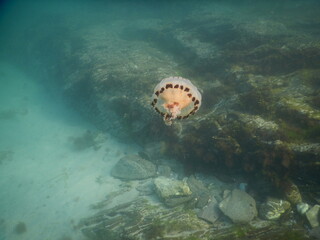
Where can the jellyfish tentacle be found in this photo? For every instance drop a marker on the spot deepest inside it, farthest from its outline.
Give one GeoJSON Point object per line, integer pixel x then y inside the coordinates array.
{"type": "Point", "coordinates": [173, 108]}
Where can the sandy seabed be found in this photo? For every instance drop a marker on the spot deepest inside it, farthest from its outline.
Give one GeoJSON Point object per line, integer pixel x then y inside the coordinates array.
{"type": "Point", "coordinates": [45, 183]}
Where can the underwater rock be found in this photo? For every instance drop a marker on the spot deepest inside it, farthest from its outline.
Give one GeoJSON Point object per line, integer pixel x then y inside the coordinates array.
{"type": "Point", "coordinates": [133, 167]}
{"type": "Point", "coordinates": [263, 70]}
{"type": "Point", "coordinates": [291, 192]}
{"type": "Point", "coordinates": [313, 216]}
{"type": "Point", "coordinates": [211, 211]}
{"type": "Point", "coordinates": [305, 148]}
{"type": "Point", "coordinates": [239, 206]}
{"type": "Point", "coordinates": [273, 208]}
{"type": "Point", "coordinates": [142, 220]}
{"type": "Point", "coordinates": [167, 187]}
{"type": "Point", "coordinates": [302, 208]}
{"type": "Point", "coordinates": [315, 233]}
{"type": "Point", "coordinates": [199, 192]}
{"type": "Point", "coordinates": [164, 170]}
{"type": "Point", "coordinates": [176, 201]}
{"type": "Point", "coordinates": [172, 192]}
{"type": "Point", "coordinates": [146, 188]}
{"type": "Point", "coordinates": [155, 150]}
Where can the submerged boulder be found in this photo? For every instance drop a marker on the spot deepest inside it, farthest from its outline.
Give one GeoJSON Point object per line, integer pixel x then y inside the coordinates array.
{"type": "Point", "coordinates": [239, 206]}
{"type": "Point", "coordinates": [133, 167]}
{"type": "Point", "coordinates": [172, 192]}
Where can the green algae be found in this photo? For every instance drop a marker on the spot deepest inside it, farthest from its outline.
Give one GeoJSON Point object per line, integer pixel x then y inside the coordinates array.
{"type": "Point", "coordinates": [310, 76]}
{"type": "Point", "coordinates": [257, 101]}
{"type": "Point", "coordinates": [296, 134]}
{"type": "Point", "coordinates": [156, 230]}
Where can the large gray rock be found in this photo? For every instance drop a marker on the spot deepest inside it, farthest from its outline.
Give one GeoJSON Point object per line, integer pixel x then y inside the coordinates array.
{"type": "Point", "coordinates": [239, 206]}
{"type": "Point", "coordinates": [133, 167]}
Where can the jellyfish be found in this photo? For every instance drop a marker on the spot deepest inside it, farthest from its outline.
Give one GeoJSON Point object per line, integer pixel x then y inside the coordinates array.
{"type": "Point", "coordinates": [175, 98]}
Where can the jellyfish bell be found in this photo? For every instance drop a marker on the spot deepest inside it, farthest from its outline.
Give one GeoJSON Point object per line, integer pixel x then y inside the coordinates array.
{"type": "Point", "coordinates": [175, 98]}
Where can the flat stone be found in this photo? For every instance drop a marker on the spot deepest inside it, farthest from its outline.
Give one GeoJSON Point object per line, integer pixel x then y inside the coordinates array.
{"type": "Point", "coordinates": [146, 188]}
{"type": "Point", "coordinates": [313, 216]}
{"type": "Point", "coordinates": [199, 191]}
{"type": "Point", "coordinates": [239, 206]}
{"type": "Point", "coordinates": [210, 212]}
{"type": "Point", "coordinates": [172, 192]}
{"type": "Point", "coordinates": [133, 167]}
{"type": "Point", "coordinates": [173, 202]}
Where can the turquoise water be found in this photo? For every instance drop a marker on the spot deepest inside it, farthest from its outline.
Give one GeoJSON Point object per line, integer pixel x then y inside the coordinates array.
{"type": "Point", "coordinates": [76, 82]}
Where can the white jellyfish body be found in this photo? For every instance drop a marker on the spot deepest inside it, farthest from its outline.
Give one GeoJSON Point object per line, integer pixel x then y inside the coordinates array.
{"type": "Point", "coordinates": [176, 98]}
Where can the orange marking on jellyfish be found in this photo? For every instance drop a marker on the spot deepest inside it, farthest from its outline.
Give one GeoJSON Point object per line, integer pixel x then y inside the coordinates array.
{"type": "Point", "coordinates": [177, 98]}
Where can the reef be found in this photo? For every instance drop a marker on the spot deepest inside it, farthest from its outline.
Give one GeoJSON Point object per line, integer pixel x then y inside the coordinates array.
{"type": "Point", "coordinates": [259, 81]}
{"type": "Point", "coordinates": [258, 74]}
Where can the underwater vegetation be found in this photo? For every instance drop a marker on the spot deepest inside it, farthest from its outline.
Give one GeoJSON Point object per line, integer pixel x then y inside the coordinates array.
{"type": "Point", "coordinates": [252, 122]}
{"type": "Point", "coordinates": [139, 220]}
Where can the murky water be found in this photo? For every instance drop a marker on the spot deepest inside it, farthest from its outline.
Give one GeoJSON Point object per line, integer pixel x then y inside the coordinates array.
{"type": "Point", "coordinates": [83, 154]}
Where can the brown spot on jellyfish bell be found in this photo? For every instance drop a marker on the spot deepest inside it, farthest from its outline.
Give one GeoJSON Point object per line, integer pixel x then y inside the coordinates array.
{"type": "Point", "coordinates": [175, 98]}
